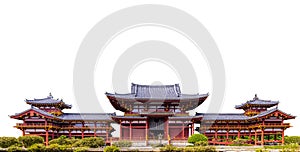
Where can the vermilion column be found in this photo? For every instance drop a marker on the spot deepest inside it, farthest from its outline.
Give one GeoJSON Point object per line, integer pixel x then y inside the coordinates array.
{"type": "Point", "coordinates": [130, 130]}
{"type": "Point", "coordinates": [47, 135]}
{"type": "Point", "coordinates": [227, 134]}
{"type": "Point", "coordinates": [121, 130]}
{"type": "Point", "coordinates": [282, 136]}
{"type": "Point", "coordinates": [193, 128]}
{"type": "Point", "coordinates": [146, 130]}
{"type": "Point", "coordinates": [255, 137]}
{"type": "Point", "coordinates": [262, 136]}
{"type": "Point", "coordinates": [182, 133]}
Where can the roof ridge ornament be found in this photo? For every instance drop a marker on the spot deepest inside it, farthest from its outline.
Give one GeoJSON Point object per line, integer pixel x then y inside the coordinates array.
{"type": "Point", "coordinates": [255, 97]}
{"type": "Point", "coordinates": [50, 95]}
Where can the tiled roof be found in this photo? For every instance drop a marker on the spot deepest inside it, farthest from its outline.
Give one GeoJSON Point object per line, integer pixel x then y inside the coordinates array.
{"type": "Point", "coordinates": [37, 110]}
{"type": "Point", "coordinates": [87, 116]}
{"type": "Point", "coordinates": [222, 116]}
{"type": "Point", "coordinates": [257, 101]}
{"type": "Point", "coordinates": [156, 92]}
{"type": "Point", "coordinates": [235, 116]}
{"type": "Point", "coordinates": [47, 100]}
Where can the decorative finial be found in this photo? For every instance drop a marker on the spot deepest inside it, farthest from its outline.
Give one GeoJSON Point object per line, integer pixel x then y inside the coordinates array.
{"type": "Point", "coordinates": [50, 95]}
{"type": "Point", "coordinates": [255, 97]}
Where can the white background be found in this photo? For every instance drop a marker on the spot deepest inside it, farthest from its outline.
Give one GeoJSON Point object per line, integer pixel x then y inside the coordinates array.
{"type": "Point", "coordinates": [258, 40]}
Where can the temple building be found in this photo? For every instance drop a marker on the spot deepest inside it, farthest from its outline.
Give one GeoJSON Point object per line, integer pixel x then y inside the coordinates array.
{"type": "Point", "coordinates": [261, 123]}
{"type": "Point", "coordinates": [46, 118]}
{"type": "Point", "coordinates": [153, 112]}
{"type": "Point", "coordinates": [156, 110]}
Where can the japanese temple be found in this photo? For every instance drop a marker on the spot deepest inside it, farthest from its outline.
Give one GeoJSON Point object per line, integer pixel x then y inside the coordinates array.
{"type": "Point", "coordinates": [153, 112]}
{"type": "Point", "coordinates": [46, 118]}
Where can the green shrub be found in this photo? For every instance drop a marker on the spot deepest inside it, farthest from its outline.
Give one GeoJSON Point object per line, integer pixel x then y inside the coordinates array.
{"type": "Point", "coordinates": [199, 149]}
{"type": "Point", "coordinates": [27, 141]}
{"type": "Point", "coordinates": [197, 137]}
{"type": "Point", "coordinates": [92, 142]}
{"type": "Point", "coordinates": [8, 141]}
{"type": "Point", "coordinates": [15, 148]}
{"type": "Point", "coordinates": [170, 148]}
{"type": "Point", "coordinates": [37, 148]}
{"type": "Point", "coordinates": [123, 143]}
{"type": "Point", "coordinates": [111, 149]}
{"type": "Point", "coordinates": [201, 143]}
{"type": "Point", "coordinates": [261, 150]}
{"type": "Point", "coordinates": [63, 140]}
{"type": "Point", "coordinates": [292, 139]}
{"type": "Point", "coordinates": [59, 148]}
{"type": "Point", "coordinates": [239, 142]}
{"type": "Point", "coordinates": [81, 149]}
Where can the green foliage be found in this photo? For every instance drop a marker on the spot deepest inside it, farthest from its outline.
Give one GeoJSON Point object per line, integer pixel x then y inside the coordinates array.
{"type": "Point", "coordinates": [15, 148]}
{"type": "Point", "coordinates": [292, 139]}
{"type": "Point", "coordinates": [170, 148]}
{"type": "Point", "coordinates": [37, 148]}
{"type": "Point", "coordinates": [8, 141]}
{"type": "Point", "coordinates": [111, 149]}
{"type": "Point", "coordinates": [197, 137]}
{"type": "Point", "coordinates": [201, 143]}
{"type": "Point", "coordinates": [92, 142]}
{"type": "Point", "coordinates": [63, 140]}
{"type": "Point", "coordinates": [261, 150]}
{"type": "Point", "coordinates": [27, 141]}
{"type": "Point", "coordinates": [81, 149]}
{"type": "Point", "coordinates": [59, 148]}
{"type": "Point", "coordinates": [240, 142]}
{"type": "Point", "coordinates": [123, 143]}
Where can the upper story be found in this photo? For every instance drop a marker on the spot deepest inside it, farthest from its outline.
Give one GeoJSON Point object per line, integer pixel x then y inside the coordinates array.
{"type": "Point", "coordinates": [155, 99]}
{"type": "Point", "coordinates": [256, 106]}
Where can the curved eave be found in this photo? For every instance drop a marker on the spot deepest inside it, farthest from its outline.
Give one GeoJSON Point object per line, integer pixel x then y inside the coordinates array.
{"type": "Point", "coordinates": [118, 119]}
{"type": "Point", "coordinates": [116, 104]}
{"type": "Point", "coordinates": [244, 106]}
{"type": "Point", "coordinates": [19, 116]}
{"type": "Point", "coordinates": [115, 101]}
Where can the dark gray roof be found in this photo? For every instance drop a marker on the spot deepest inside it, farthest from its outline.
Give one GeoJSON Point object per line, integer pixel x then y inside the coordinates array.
{"type": "Point", "coordinates": [222, 116]}
{"type": "Point", "coordinates": [37, 110]}
{"type": "Point", "coordinates": [258, 102]}
{"type": "Point", "coordinates": [234, 116]}
{"type": "Point", "coordinates": [47, 100]}
{"type": "Point", "coordinates": [87, 116]}
{"type": "Point", "coordinates": [168, 92]}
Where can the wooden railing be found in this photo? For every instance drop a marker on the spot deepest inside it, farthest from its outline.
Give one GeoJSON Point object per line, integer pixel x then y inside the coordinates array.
{"type": "Point", "coordinates": [225, 127]}
{"type": "Point", "coordinates": [31, 125]}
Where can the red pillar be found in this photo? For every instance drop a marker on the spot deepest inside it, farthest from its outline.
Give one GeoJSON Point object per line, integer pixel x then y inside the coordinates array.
{"type": "Point", "coordinates": [282, 136]}
{"type": "Point", "coordinates": [227, 135]}
{"type": "Point", "coordinates": [52, 134]}
{"type": "Point", "coordinates": [23, 132]}
{"type": "Point", "coordinates": [255, 137]}
{"type": "Point", "coordinates": [182, 133]}
{"type": "Point", "coordinates": [82, 131]}
{"type": "Point", "coordinates": [70, 136]}
{"type": "Point", "coordinates": [146, 131]}
{"type": "Point", "coordinates": [130, 131]}
{"type": "Point", "coordinates": [239, 134]}
{"type": "Point", "coordinates": [47, 135]}
{"type": "Point", "coordinates": [121, 130]}
{"type": "Point", "coordinates": [95, 125]}
{"type": "Point", "coordinates": [193, 128]}
{"type": "Point", "coordinates": [106, 134]}
{"type": "Point", "coordinates": [166, 128]}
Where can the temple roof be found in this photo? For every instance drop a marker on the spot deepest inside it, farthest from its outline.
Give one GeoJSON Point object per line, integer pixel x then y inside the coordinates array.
{"type": "Point", "coordinates": [163, 92]}
{"type": "Point", "coordinates": [87, 116]}
{"type": "Point", "coordinates": [42, 112]}
{"type": "Point", "coordinates": [257, 102]}
{"type": "Point", "coordinates": [48, 101]}
{"type": "Point", "coordinates": [222, 116]}
{"type": "Point", "coordinates": [238, 116]}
